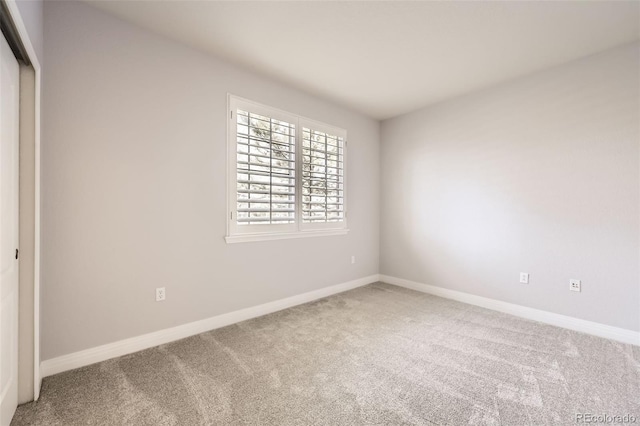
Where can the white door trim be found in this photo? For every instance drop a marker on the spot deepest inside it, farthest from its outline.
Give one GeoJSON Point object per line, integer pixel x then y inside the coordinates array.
{"type": "Point", "coordinates": [26, 42]}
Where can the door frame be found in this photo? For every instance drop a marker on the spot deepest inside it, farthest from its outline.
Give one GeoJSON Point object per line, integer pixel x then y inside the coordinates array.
{"type": "Point", "coordinates": [14, 13]}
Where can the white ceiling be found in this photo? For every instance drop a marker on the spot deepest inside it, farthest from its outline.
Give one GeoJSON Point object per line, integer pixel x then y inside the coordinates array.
{"type": "Point", "coordinates": [389, 58]}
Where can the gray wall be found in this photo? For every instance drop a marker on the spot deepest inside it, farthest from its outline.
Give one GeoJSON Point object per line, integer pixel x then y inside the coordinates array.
{"type": "Point", "coordinates": [537, 175]}
{"type": "Point", "coordinates": [133, 174]}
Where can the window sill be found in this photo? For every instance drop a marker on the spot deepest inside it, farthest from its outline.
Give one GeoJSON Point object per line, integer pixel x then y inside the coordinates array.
{"type": "Point", "coordinates": [247, 238]}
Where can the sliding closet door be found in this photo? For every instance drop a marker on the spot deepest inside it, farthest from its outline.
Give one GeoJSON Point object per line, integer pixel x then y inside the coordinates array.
{"type": "Point", "coordinates": [9, 112]}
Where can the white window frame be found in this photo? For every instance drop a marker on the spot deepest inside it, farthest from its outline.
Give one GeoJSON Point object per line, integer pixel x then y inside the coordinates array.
{"type": "Point", "coordinates": [247, 233]}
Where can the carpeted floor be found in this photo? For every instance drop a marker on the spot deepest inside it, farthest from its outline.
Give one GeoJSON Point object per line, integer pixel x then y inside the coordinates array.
{"type": "Point", "coordinates": [379, 354]}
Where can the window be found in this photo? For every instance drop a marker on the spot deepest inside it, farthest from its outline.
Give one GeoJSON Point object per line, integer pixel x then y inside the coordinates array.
{"type": "Point", "coordinates": [322, 177]}
{"type": "Point", "coordinates": [286, 175]}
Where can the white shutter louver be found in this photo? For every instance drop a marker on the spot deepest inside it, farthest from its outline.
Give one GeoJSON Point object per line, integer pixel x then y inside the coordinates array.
{"type": "Point", "coordinates": [322, 177]}
{"type": "Point", "coordinates": [265, 167]}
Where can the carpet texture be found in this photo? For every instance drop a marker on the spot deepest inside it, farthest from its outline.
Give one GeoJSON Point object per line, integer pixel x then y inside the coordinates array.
{"type": "Point", "coordinates": [379, 354]}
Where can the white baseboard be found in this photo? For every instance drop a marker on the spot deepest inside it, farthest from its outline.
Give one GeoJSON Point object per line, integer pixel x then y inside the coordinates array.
{"type": "Point", "coordinates": [135, 344]}
{"type": "Point", "coordinates": [584, 326]}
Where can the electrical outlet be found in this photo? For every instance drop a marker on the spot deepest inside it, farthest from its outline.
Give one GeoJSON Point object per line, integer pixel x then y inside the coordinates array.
{"type": "Point", "coordinates": [160, 294]}
{"type": "Point", "coordinates": [524, 277]}
{"type": "Point", "coordinates": [353, 260]}
{"type": "Point", "coordinates": [574, 285]}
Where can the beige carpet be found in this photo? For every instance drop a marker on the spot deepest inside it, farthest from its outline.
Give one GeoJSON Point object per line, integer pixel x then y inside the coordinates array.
{"type": "Point", "coordinates": [379, 354]}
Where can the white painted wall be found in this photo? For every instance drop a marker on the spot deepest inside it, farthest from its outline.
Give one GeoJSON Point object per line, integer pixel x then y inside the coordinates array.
{"type": "Point", "coordinates": [134, 187]}
{"type": "Point", "coordinates": [31, 12]}
{"type": "Point", "coordinates": [27, 234]}
{"type": "Point", "coordinates": [537, 175]}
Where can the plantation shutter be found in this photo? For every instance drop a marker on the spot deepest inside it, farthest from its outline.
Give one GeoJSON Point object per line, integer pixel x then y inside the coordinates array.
{"type": "Point", "coordinates": [266, 170]}
{"type": "Point", "coordinates": [285, 175]}
{"type": "Point", "coordinates": [322, 178]}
